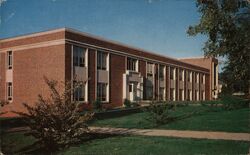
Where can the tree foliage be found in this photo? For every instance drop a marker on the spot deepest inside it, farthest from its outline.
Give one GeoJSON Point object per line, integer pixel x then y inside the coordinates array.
{"type": "Point", "coordinates": [56, 122]}
{"type": "Point", "coordinates": [227, 25]}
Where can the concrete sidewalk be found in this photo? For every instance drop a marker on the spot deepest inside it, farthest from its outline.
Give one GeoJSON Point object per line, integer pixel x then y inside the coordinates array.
{"type": "Point", "coordinates": [164, 133]}
{"type": "Point", "coordinates": [174, 133]}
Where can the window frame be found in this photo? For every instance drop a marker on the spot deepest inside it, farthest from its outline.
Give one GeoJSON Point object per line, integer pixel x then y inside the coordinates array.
{"type": "Point", "coordinates": [162, 94]}
{"type": "Point", "coordinates": [102, 57]}
{"type": "Point", "coordinates": [132, 64]}
{"type": "Point", "coordinates": [162, 75]}
{"type": "Point", "coordinates": [79, 56]}
{"type": "Point", "coordinates": [9, 93]}
{"type": "Point", "coordinates": [9, 59]}
{"type": "Point", "coordinates": [102, 95]}
{"type": "Point", "coordinates": [181, 74]}
{"type": "Point", "coordinates": [172, 73]}
{"type": "Point", "coordinates": [76, 90]}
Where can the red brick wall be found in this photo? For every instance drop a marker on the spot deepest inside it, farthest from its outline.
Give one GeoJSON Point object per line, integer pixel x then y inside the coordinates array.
{"type": "Point", "coordinates": [142, 68]}
{"type": "Point", "coordinates": [177, 85]}
{"type": "Point", "coordinates": [167, 84]}
{"type": "Point", "coordinates": [2, 76]}
{"type": "Point", "coordinates": [207, 88]}
{"type": "Point", "coordinates": [68, 59]}
{"type": "Point", "coordinates": [117, 69]}
{"type": "Point", "coordinates": [193, 86]}
{"type": "Point", "coordinates": [156, 82]}
{"type": "Point", "coordinates": [185, 85]}
{"type": "Point", "coordinates": [92, 75]}
{"type": "Point", "coordinates": [29, 68]}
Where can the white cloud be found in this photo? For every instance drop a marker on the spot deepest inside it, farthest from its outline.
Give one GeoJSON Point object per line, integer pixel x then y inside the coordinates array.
{"type": "Point", "coordinates": [2, 1]}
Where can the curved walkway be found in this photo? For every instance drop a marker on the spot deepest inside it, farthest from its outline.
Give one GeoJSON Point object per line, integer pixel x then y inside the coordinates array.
{"type": "Point", "coordinates": [174, 133]}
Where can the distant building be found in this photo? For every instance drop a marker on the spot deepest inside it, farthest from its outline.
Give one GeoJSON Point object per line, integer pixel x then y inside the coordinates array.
{"type": "Point", "coordinates": [112, 71]}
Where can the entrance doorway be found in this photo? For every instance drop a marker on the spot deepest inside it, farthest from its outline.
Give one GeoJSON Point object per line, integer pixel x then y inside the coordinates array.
{"type": "Point", "coordinates": [132, 91]}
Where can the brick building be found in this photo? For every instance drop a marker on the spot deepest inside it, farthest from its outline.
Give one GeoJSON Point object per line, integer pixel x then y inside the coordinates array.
{"type": "Point", "coordinates": [112, 71]}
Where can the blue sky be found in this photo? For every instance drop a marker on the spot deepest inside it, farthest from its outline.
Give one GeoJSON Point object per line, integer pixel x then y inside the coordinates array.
{"type": "Point", "coordinates": [155, 25]}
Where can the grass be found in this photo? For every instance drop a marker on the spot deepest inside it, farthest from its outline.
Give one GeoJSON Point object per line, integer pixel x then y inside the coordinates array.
{"type": "Point", "coordinates": [208, 119]}
{"type": "Point", "coordinates": [15, 143]}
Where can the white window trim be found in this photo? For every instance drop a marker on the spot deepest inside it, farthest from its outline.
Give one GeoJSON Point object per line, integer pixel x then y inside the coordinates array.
{"type": "Point", "coordinates": [11, 92]}
{"type": "Point", "coordinates": [107, 69]}
{"type": "Point", "coordinates": [72, 76]}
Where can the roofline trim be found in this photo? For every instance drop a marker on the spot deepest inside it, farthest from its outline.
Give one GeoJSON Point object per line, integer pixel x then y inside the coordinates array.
{"type": "Point", "coordinates": [35, 34]}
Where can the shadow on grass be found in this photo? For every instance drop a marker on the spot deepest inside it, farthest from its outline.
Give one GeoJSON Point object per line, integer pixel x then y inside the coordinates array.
{"type": "Point", "coordinates": [173, 119]}
{"type": "Point", "coordinates": [36, 148]}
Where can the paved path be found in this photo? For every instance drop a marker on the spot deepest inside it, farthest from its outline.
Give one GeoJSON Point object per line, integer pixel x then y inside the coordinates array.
{"type": "Point", "coordinates": [164, 133]}
{"type": "Point", "coordinates": [174, 133]}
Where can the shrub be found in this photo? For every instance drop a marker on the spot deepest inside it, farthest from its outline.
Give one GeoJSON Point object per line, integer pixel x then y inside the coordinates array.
{"type": "Point", "coordinates": [213, 103]}
{"type": "Point", "coordinates": [97, 105]}
{"type": "Point", "coordinates": [55, 122]}
{"type": "Point", "coordinates": [232, 102]}
{"type": "Point", "coordinates": [127, 103]}
{"type": "Point", "coordinates": [159, 113]}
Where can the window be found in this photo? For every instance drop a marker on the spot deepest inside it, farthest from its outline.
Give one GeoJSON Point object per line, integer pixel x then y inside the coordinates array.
{"type": "Point", "coordinates": [131, 64]}
{"type": "Point", "coordinates": [79, 92]}
{"type": "Point", "coordinates": [215, 67]}
{"type": "Point", "coordinates": [130, 88]}
{"type": "Point", "coordinates": [172, 73]}
{"type": "Point", "coordinates": [203, 95]}
{"type": "Point", "coordinates": [189, 76]}
{"type": "Point", "coordinates": [197, 77]}
{"type": "Point", "coordinates": [149, 92]}
{"type": "Point", "coordinates": [172, 94]}
{"type": "Point", "coordinates": [161, 72]}
{"type": "Point", "coordinates": [9, 91]}
{"type": "Point", "coordinates": [102, 91]}
{"type": "Point", "coordinates": [161, 94]}
{"type": "Point", "coordinates": [188, 95]}
{"type": "Point", "coordinates": [181, 78]}
{"type": "Point", "coordinates": [9, 59]}
{"type": "Point", "coordinates": [196, 95]}
{"type": "Point", "coordinates": [150, 68]}
{"type": "Point", "coordinates": [203, 79]}
{"type": "Point", "coordinates": [79, 56]}
{"type": "Point", "coordinates": [102, 60]}
{"type": "Point", "coordinates": [181, 94]}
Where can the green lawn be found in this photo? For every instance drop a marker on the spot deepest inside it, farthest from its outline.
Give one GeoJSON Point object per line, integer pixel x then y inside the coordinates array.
{"type": "Point", "coordinates": [14, 143]}
{"type": "Point", "coordinates": [209, 119]}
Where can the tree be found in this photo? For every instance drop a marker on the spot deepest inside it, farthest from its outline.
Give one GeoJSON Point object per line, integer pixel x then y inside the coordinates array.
{"type": "Point", "coordinates": [226, 23]}
{"type": "Point", "coordinates": [56, 122]}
